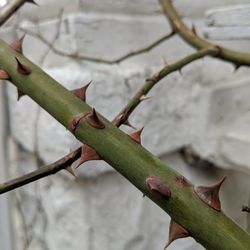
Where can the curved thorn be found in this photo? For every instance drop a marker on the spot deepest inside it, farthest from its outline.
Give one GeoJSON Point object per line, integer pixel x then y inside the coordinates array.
{"type": "Point", "coordinates": [81, 92]}
{"type": "Point", "coordinates": [20, 94]}
{"type": "Point", "coordinates": [70, 170]}
{"type": "Point", "coordinates": [18, 44]}
{"type": "Point", "coordinates": [193, 30]}
{"type": "Point", "coordinates": [210, 194]}
{"type": "Point", "coordinates": [32, 1]}
{"type": "Point", "coordinates": [136, 136]}
{"type": "Point", "coordinates": [22, 69]}
{"type": "Point", "coordinates": [176, 231]}
{"type": "Point", "coordinates": [88, 154]}
{"type": "Point", "coordinates": [127, 123]}
{"type": "Point", "coordinates": [94, 121]}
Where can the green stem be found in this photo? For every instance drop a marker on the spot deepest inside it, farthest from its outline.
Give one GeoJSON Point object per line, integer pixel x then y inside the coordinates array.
{"type": "Point", "coordinates": [211, 228]}
{"type": "Point", "coordinates": [119, 120]}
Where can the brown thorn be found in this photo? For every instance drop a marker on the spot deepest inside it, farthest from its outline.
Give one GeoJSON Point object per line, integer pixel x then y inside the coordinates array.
{"type": "Point", "coordinates": [127, 123]}
{"type": "Point", "coordinates": [194, 30]}
{"type": "Point", "coordinates": [75, 122]}
{"type": "Point", "coordinates": [94, 121]}
{"type": "Point", "coordinates": [144, 97]}
{"type": "Point", "coordinates": [70, 170]}
{"type": "Point", "coordinates": [136, 136]}
{"type": "Point", "coordinates": [176, 231]}
{"type": "Point", "coordinates": [22, 69]}
{"type": "Point", "coordinates": [4, 75]}
{"type": "Point", "coordinates": [236, 67]}
{"type": "Point", "coordinates": [32, 1]}
{"type": "Point", "coordinates": [18, 44]}
{"type": "Point", "coordinates": [245, 209]}
{"type": "Point", "coordinates": [210, 194]}
{"type": "Point", "coordinates": [81, 92]}
{"type": "Point", "coordinates": [20, 94]}
{"type": "Point", "coordinates": [88, 154]}
{"type": "Point", "coordinates": [158, 186]}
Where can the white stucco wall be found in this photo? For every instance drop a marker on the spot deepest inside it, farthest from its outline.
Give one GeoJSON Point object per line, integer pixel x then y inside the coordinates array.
{"type": "Point", "coordinates": [207, 108]}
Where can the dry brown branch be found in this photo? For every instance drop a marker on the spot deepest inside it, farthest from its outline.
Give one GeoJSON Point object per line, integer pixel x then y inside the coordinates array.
{"type": "Point", "coordinates": [8, 10]}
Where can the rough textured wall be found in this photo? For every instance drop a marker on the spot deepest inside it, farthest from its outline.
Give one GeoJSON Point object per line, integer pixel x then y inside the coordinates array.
{"type": "Point", "coordinates": [206, 107]}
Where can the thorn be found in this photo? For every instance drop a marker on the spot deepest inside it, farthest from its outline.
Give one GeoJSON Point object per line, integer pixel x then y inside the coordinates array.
{"type": "Point", "coordinates": [70, 170]}
{"type": "Point", "coordinates": [4, 75]}
{"type": "Point", "coordinates": [20, 94]}
{"type": "Point", "coordinates": [81, 92]}
{"type": "Point", "coordinates": [88, 154]}
{"type": "Point", "coordinates": [176, 231]}
{"type": "Point", "coordinates": [210, 194]}
{"type": "Point", "coordinates": [23, 69]}
{"type": "Point", "coordinates": [194, 30]}
{"type": "Point", "coordinates": [144, 97]}
{"type": "Point", "coordinates": [165, 61]}
{"type": "Point", "coordinates": [245, 209]}
{"type": "Point", "coordinates": [158, 186]}
{"type": "Point", "coordinates": [236, 67]}
{"type": "Point", "coordinates": [18, 44]}
{"type": "Point", "coordinates": [32, 1]}
{"type": "Point", "coordinates": [136, 136]}
{"type": "Point", "coordinates": [127, 123]}
{"type": "Point", "coordinates": [94, 121]}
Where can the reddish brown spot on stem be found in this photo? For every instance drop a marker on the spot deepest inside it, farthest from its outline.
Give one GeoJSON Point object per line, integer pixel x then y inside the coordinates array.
{"type": "Point", "coordinates": [182, 181]}
{"type": "Point", "coordinates": [75, 122]}
{"type": "Point", "coordinates": [158, 186]}
{"type": "Point", "coordinates": [94, 121]}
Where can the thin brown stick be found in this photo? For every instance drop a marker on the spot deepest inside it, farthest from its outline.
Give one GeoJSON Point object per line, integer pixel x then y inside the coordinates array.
{"type": "Point", "coordinates": [190, 36]}
{"type": "Point", "coordinates": [8, 10]}
{"type": "Point", "coordinates": [120, 119]}
{"type": "Point", "coordinates": [77, 56]}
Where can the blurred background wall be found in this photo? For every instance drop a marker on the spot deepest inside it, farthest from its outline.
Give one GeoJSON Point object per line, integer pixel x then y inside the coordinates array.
{"type": "Point", "coordinates": [205, 109]}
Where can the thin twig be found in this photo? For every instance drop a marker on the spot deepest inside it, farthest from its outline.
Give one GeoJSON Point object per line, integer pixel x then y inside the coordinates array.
{"type": "Point", "coordinates": [120, 119]}
{"type": "Point", "coordinates": [77, 56]}
{"type": "Point", "coordinates": [191, 37]}
{"type": "Point", "coordinates": [8, 10]}
{"type": "Point", "coordinates": [151, 81]}
{"type": "Point", "coordinates": [41, 172]}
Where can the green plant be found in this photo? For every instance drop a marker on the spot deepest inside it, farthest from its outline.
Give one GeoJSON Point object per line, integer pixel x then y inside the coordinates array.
{"type": "Point", "coordinates": [195, 211]}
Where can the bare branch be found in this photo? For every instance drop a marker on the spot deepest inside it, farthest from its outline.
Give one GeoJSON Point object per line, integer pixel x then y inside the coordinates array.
{"type": "Point", "coordinates": [11, 8]}
{"type": "Point", "coordinates": [190, 36]}
{"type": "Point", "coordinates": [77, 56]}
{"type": "Point", "coordinates": [120, 119]}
